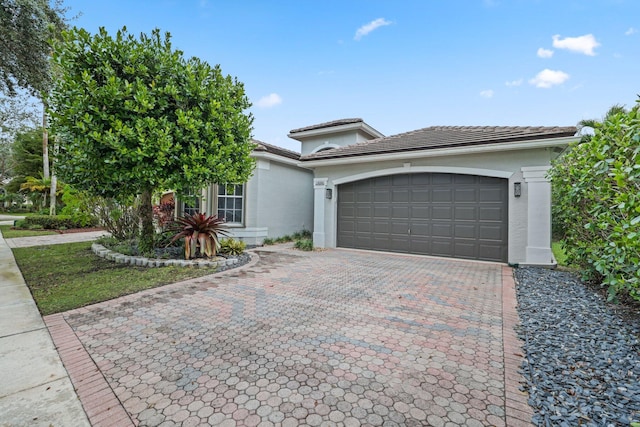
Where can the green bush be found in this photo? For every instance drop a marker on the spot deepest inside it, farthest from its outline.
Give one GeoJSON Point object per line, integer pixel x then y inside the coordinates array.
{"type": "Point", "coordinates": [79, 206]}
{"type": "Point", "coordinates": [268, 241]}
{"type": "Point", "coordinates": [48, 222]}
{"type": "Point", "coordinates": [597, 196]}
{"type": "Point", "coordinates": [232, 247]}
{"type": "Point", "coordinates": [304, 244]}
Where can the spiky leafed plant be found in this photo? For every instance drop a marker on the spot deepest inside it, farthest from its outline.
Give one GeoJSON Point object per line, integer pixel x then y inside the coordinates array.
{"type": "Point", "coordinates": [200, 230]}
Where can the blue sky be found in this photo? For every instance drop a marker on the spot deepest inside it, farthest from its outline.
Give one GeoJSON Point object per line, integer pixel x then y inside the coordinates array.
{"type": "Point", "coordinates": [402, 65]}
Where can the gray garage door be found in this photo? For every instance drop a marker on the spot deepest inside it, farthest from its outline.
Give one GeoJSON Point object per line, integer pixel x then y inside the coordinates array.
{"type": "Point", "coordinates": [460, 216]}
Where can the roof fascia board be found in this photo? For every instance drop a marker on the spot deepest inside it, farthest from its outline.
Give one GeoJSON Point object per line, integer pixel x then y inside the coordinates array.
{"type": "Point", "coordinates": [443, 152]}
{"type": "Point", "coordinates": [276, 158]}
{"type": "Point", "coordinates": [335, 129]}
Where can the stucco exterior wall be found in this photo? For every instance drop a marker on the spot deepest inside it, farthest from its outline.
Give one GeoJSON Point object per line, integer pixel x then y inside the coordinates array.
{"type": "Point", "coordinates": [507, 164]}
{"type": "Point", "coordinates": [310, 144]}
{"type": "Point", "coordinates": [278, 201]}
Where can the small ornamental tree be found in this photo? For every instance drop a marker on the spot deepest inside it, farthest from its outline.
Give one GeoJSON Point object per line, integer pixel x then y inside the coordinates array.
{"type": "Point", "coordinates": [597, 196]}
{"type": "Point", "coordinates": [134, 116]}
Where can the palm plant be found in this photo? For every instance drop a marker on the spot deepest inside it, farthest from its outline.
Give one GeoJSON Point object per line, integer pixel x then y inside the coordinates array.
{"type": "Point", "coordinates": [200, 232]}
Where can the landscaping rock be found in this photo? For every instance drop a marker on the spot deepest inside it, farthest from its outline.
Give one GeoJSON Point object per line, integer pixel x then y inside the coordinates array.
{"type": "Point", "coordinates": [582, 359]}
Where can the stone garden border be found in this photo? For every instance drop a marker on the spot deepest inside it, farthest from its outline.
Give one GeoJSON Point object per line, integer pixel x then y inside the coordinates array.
{"type": "Point", "coordinates": [141, 261]}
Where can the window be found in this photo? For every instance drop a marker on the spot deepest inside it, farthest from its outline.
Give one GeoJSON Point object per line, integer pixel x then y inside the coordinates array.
{"type": "Point", "coordinates": [231, 203]}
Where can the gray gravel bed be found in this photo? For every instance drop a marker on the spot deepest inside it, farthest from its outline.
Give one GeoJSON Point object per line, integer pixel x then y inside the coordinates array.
{"type": "Point", "coordinates": [582, 359]}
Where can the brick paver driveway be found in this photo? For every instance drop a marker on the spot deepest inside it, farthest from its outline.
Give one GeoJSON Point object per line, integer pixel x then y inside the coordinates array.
{"type": "Point", "coordinates": [327, 338]}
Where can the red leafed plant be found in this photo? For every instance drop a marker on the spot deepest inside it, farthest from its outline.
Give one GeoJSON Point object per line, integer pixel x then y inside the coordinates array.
{"type": "Point", "coordinates": [200, 232]}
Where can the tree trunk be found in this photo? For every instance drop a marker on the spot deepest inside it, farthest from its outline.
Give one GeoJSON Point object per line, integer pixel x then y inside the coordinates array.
{"type": "Point", "coordinates": [45, 143]}
{"type": "Point", "coordinates": [146, 217]}
{"type": "Point", "coordinates": [52, 196]}
{"type": "Point", "coordinates": [54, 180]}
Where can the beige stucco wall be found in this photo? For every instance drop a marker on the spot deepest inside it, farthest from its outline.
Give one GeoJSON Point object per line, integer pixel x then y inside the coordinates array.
{"type": "Point", "coordinates": [505, 164]}
{"type": "Point", "coordinates": [278, 201]}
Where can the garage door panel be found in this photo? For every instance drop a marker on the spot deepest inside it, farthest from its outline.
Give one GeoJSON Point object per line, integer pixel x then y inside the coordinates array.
{"type": "Point", "coordinates": [400, 180]}
{"type": "Point", "coordinates": [364, 211]}
{"type": "Point", "coordinates": [441, 212]}
{"type": "Point", "coordinates": [441, 179]}
{"type": "Point", "coordinates": [400, 195]}
{"type": "Point", "coordinates": [491, 213]}
{"type": "Point", "coordinates": [489, 232]}
{"type": "Point", "coordinates": [419, 212]}
{"type": "Point", "coordinates": [382, 196]}
{"type": "Point", "coordinates": [449, 215]}
{"type": "Point", "coordinates": [442, 195]}
{"type": "Point", "coordinates": [465, 213]}
{"type": "Point", "coordinates": [382, 211]}
{"type": "Point", "coordinates": [363, 195]}
{"type": "Point", "coordinates": [441, 230]}
{"type": "Point", "coordinates": [400, 212]}
{"type": "Point", "coordinates": [466, 195]}
{"type": "Point", "coordinates": [466, 231]}
{"type": "Point", "coordinates": [400, 227]}
{"type": "Point", "coordinates": [467, 250]}
{"type": "Point", "coordinates": [364, 227]}
{"type": "Point", "coordinates": [420, 195]}
{"type": "Point", "coordinates": [491, 194]}
{"type": "Point", "coordinates": [442, 247]}
{"type": "Point", "coordinates": [420, 229]}
{"type": "Point", "coordinates": [382, 227]}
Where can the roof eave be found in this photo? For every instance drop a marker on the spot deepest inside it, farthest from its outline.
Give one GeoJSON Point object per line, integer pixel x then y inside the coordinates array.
{"type": "Point", "coordinates": [441, 152]}
{"type": "Point", "coordinates": [275, 157]}
{"type": "Point", "coordinates": [299, 136]}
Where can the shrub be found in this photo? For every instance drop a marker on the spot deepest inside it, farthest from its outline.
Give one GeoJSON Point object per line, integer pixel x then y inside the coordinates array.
{"type": "Point", "coordinates": [121, 219]}
{"type": "Point", "coordinates": [304, 244]}
{"type": "Point", "coordinates": [283, 239]}
{"type": "Point", "coordinates": [79, 206]}
{"type": "Point", "coordinates": [163, 214]}
{"type": "Point", "coordinates": [597, 187]}
{"type": "Point", "coordinates": [200, 232]}
{"type": "Point", "coordinates": [268, 241]}
{"type": "Point", "coordinates": [232, 246]}
{"type": "Point", "coordinates": [56, 222]}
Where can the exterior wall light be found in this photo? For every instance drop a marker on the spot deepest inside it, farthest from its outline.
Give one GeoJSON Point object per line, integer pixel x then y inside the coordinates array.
{"type": "Point", "coordinates": [517, 189]}
{"type": "Point", "coordinates": [328, 193]}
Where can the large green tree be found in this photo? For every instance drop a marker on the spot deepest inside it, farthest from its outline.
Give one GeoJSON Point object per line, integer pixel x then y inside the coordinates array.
{"type": "Point", "coordinates": [26, 158]}
{"type": "Point", "coordinates": [133, 115]}
{"type": "Point", "coordinates": [26, 26]}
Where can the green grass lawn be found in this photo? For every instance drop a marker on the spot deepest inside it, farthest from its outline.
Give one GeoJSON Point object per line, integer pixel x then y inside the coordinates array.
{"type": "Point", "coordinates": [558, 252]}
{"type": "Point", "coordinates": [8, 233]}
{"type": "Point", "coordinates": [67, 276]}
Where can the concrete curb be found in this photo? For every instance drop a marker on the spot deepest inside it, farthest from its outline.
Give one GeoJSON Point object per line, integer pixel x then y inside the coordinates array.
{"type": "Point", "coordinates": [119, 258]}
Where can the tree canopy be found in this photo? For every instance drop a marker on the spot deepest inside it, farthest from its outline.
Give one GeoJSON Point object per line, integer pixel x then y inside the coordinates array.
{"type": "Point", "coordinates": [26, 27]}
{"type": "Point", "coordinates": [133, 116]}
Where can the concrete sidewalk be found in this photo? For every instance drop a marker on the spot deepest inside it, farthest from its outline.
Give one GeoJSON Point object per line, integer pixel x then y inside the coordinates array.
{"type": "Point", "coordinates": [54, 239]}
{"type": "Point", "coordinates": [35, 389]}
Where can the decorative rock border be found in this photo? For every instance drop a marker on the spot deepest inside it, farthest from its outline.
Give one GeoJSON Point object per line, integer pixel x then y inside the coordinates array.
{"type": "Point", "coordinates": [141, 261]}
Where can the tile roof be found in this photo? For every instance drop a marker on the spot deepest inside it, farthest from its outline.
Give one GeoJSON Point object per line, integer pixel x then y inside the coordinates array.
{"type": "Point", "coordinates": [435, 137]}
{"type": "Point", "coordinates": [327, 125]}
{"type": "Point", "coordinates": [278, 151]}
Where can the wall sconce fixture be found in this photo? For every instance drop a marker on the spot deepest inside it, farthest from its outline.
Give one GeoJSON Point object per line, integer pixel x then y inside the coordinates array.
{"type": "Point", "coordinates": [517, 189]}
{"type": "Point", "coordinates": [328, 193]}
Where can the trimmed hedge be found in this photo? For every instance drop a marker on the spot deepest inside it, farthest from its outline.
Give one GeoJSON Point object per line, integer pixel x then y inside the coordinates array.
{"type": "Point", "coordinates": [58, 222]}
{"type": "Point", "coordinates": [597, 204]}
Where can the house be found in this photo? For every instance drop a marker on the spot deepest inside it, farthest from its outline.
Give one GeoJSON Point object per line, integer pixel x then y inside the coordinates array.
{"type": "Point", "coordinates": [276, 201]}
{"type": "Point", "coordinates": [471, 192]}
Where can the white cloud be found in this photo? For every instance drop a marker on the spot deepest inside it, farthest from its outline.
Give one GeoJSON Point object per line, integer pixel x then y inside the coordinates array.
{"type": "Point", "coordinates": [514, 83]}
{"type": "Point", "coordinates": [630, 31]}
{"type": "Point", "coordinates": [486, 93]}
{"type": "Point", "coordinates": [547, 78]}
{"type": "Point", "coordinates": [367, 28]}
{"type": "Point", "coordinates": [583, 44]}
{"type": "Point", "coordinates": [545, 53]}
{"type": "Point", "coordinates": [269, 101]}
